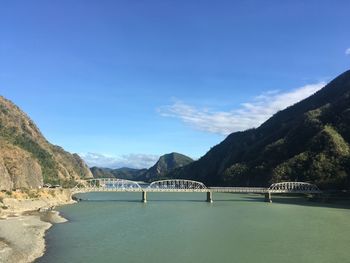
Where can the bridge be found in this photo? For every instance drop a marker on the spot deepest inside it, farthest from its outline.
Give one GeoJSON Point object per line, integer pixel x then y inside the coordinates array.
{"type": "Point", "coordinates": [181, 185]}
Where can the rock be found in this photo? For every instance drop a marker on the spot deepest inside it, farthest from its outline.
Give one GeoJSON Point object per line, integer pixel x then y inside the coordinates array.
{"type": "Point", "coordinates": [27, 159]}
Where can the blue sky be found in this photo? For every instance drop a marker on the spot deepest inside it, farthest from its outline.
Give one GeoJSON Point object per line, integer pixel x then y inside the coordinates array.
{"type": "Point", "coordinates": [122, 82]}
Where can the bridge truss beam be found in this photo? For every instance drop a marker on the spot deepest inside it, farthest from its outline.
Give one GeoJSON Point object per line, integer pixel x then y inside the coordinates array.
{"type": "Point", "coordinates": [181, 185]}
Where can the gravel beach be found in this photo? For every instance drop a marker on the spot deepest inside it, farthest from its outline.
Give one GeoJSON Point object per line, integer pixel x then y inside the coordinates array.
{"type": "Point", "coordinates": [23, 225]}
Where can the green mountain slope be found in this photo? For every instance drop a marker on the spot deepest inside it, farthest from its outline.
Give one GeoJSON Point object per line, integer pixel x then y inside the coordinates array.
{"type": "Point", "coordinates": [308, 141]}
{"type": "Point", "coordinates": [27, 159]}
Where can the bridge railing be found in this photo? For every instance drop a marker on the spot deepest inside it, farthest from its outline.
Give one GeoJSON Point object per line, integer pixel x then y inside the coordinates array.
{"type": "Point", "coordinates": [106, 189]}
{"type": "Point", "coordinates": [238, 189]}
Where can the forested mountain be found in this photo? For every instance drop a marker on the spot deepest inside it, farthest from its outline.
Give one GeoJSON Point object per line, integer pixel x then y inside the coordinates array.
{"type": "Point", "coordinates": [308, 141]}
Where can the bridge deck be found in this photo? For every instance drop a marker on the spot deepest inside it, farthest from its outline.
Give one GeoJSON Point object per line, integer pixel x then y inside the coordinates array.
{"type": "Point", "coordinates": [258, 190]}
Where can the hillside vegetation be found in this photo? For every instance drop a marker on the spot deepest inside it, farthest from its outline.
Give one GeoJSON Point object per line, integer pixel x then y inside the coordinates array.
{"type": "Point", "coordinates": [308, 141]}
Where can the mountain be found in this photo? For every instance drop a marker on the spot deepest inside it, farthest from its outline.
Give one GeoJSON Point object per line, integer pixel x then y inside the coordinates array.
{"type": "Point", "coordinates": [27, 159]}
{"type": "Point", "coordinates": [164, 165]}
{"type": "Point", "coordinates": [308, 141]}
{"type": "Point", "coordinates": [121, 173]}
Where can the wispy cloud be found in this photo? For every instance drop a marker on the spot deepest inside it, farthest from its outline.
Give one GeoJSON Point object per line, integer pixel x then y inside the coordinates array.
{"type": "Point", "coordinates": [248, 115]}
{"type": "Point", "coordinates": [347, 51]}
{"type": "Point", "coordinates": [130, 160]}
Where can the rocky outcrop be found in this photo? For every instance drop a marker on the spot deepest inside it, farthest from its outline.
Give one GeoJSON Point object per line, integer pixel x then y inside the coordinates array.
{"type": "Point", "coordinates": [18, 169]}
{"type": "Point", "coordinates": [27, 159]}
{"type": "Point", "coordinates": [166, 164]}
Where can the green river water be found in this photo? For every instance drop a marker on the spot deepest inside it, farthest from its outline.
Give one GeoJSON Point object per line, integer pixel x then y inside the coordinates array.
{"type": "Point", "coordinates": [182, 227]}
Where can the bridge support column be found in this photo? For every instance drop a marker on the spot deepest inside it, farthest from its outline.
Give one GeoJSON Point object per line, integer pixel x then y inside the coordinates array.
{"type": "Point", "coordinates": [268, 197]}
{"type": "Point", "coordinates": [144, 196]}
{"type": "Point", "coordinates": [209, 196]}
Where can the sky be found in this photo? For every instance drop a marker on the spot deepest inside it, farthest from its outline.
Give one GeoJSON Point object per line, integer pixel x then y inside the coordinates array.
{"type": "Point", "coordinates": [123, 82]}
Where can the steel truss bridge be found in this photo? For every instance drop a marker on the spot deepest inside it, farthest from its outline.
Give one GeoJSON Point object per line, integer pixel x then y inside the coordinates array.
{"type": "Point", "coordinates": [181, 185]}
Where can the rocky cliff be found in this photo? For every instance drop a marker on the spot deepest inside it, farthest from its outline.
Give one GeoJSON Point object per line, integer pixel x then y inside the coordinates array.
{"type": "Point", "coordinates": [27, 159]}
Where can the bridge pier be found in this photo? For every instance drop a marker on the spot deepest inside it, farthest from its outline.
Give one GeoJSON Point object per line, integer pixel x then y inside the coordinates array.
{"type": "Point", "coordinates": [268, 197]}
{"type": "Point", "coordinates": [144, 196]}
{"type": "Point", "coordinates": [209, 196]}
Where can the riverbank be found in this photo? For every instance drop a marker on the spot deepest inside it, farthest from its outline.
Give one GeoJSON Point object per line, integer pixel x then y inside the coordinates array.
{"type": "Point", "coordinates": [24, 219]}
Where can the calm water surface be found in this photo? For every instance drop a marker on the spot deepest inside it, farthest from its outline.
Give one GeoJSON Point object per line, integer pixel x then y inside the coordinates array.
{"type": "Point", "coordinates": [181, 227]}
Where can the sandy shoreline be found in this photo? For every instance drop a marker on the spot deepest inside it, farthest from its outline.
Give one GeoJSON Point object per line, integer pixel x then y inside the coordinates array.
{"type": "Point", "coordinates": [23, 225]}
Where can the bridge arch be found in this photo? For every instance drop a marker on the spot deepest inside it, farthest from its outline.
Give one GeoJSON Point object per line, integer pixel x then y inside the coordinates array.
{"type": "Point", "coordinates": [112, 183]}
{"type": "Point", "coordinates": [294, 187]}
{"type": "Point", "coordinates": [177, 184]}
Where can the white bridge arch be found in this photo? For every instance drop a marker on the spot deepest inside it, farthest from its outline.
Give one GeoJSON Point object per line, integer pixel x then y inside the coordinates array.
{"type": "Point", "coordinates": [177, 185]}
{"type": "Point", "coordinates": [109, 184]}
{"type": "Point", "coordinates": [293, 187]}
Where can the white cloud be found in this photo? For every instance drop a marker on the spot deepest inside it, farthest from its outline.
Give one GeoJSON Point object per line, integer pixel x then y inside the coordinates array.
{"type": "Point", "coordinates": [347, 51]}
{"type": "Point", "coordinates": [138, 161]}
{"type": "Point", "coordinates": [248, 115]}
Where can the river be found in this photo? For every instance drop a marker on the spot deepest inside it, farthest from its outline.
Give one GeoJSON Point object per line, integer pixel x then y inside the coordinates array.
{"type": "Point", "coordinates": [182, 227]}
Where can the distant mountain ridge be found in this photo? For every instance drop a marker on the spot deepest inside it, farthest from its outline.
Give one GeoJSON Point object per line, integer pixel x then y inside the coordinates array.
{"type": "Point", "coordinates": [308, 141]}
{"type": "Point", "coordinates": [122, 173]}
{"type": "Point", "coordinates": [27, 159]}
{"type": "Point", "coordinates": [164, 165]}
